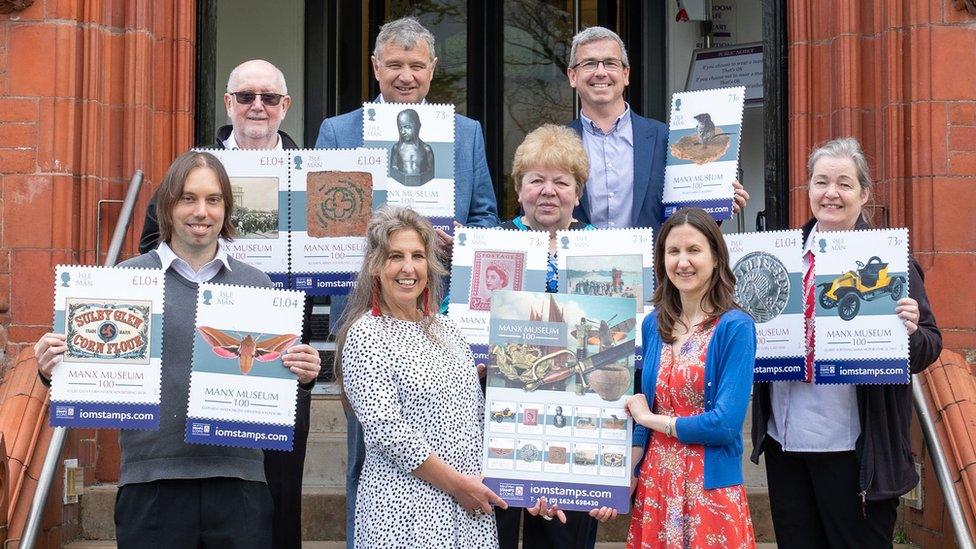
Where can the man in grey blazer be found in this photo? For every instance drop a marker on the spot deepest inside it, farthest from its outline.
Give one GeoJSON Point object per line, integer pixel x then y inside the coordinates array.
{"type": "Point", "coordinates": [403, 63]}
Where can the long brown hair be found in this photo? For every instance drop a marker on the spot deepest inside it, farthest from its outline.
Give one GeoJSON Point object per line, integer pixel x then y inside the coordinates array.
{"type": "Point", "coordinates": [720, 295]}
{"type": "Point", "coordinates": [386, 221]}
{"type": "Point", "coordinates": [171, 189]}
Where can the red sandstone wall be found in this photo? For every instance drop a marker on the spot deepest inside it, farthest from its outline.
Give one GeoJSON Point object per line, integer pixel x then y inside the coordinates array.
{"type": "Point", "coordinates": [900, 75]}
{"type": "Point", "coordinates": [90, 91]}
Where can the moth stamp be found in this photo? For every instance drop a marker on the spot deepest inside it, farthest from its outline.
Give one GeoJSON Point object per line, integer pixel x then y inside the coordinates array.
{"type": "Point", "coordinates": [338, 203]}
{"type": "Point", "coordinates": [109, 331]}
{"type": "Point", "coordinates": [492, 271]}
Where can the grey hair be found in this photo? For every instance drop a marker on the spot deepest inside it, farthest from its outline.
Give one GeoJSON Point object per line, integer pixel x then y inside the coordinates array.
{"type": "Point", "coordinates": [235, 75]}
{"type": "Point", "coordinates": [384, 223]}
{"type": "Point", "coordinates": [843, 147]}
{"type": "Point", "coordinates": [405, 32]}
{"type": "Point", "coordinates": [595, 34]}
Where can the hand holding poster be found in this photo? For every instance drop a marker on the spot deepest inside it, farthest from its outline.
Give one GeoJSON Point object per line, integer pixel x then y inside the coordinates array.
{"type": "Point", "coordinates": [333, 195]}
{"type": "Point", "coordinates": [110, 375]}
{"type": "Point", "coordinates": [768, 269]}
{"type": "Point", "coordinates": [486, 260]}
{"type": "Point", "coordinates": [609, 262]}
{"type": "Point", "coordinates": [420, 141]}
{"type": "Point", "coordinates": [860, 276]}
{"type": "Point", "coordinates": [703, 150]}
{"type": "Point", "coordinates": [560, 373]}
{"type": "Point", "coordinates": [241, 394]}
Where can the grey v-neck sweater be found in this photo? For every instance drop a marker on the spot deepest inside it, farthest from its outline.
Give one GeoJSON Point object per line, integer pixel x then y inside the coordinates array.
{"type": "Point", "coordinates": [162, 454]}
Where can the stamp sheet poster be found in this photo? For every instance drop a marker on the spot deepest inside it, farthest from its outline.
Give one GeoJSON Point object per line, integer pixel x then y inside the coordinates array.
{"type": "Point", "coordinates": [241, 394]}
{"type": "Point", "coordinates": [703, 150]}
{"type": "Point", "coordinates": [560, 372]}
{"type": "Point", "coordinates": [112, 319]}
{"type": "Point", "coordinates": [860, 276]}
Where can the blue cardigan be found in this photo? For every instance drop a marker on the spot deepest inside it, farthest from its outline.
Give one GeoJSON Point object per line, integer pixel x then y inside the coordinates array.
{"type": "Point", "coordinates": [728, 382]}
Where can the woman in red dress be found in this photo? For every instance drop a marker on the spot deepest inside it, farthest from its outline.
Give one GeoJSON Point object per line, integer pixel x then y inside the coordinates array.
{"type": "Point", "coordinates": [699, 349]}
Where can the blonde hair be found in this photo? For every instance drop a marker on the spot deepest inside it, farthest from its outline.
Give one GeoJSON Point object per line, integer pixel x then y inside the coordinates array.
{"type": "Point", "coordinates": [555, 147]}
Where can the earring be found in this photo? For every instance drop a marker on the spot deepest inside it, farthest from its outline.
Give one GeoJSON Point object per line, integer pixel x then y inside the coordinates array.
{"type": "Point", "coordinates": [376, 298]}
{"type": "Point", "coordinates": [426, 296]}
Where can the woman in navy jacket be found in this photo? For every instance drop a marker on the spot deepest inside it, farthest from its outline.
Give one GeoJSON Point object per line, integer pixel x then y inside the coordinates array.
{"type": "Point", "coordinates": [699, 350]}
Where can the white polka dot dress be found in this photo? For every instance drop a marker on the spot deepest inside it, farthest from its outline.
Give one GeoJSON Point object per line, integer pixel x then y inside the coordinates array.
{"type": "Point", "coordinates": [413, 397]}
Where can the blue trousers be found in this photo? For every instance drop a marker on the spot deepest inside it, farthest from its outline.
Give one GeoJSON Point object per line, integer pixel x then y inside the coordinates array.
{"type": "Point", "coordinates": [355, 454]}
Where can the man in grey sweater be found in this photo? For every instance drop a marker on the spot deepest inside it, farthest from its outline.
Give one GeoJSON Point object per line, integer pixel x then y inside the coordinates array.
{"type": "Point", "coordinates": [173, 494]}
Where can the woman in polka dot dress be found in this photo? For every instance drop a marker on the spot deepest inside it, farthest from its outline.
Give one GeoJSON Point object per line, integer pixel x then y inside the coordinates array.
{"type": "Point", "coordinates": [411, 381]}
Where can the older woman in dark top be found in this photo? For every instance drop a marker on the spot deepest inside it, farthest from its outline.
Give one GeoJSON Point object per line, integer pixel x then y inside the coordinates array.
{"type": "Point", "coordinates": [838, 456]}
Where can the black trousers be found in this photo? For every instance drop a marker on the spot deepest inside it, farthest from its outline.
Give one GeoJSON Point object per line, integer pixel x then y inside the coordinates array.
{"type": "Point", "coordinates": [284, 471]}
{"type": "Point", "coordinates": [815, 501]}
{"type": "Point", "coordinates": [579, 532]}
{"type": "Point", "coordinates": [223, 513]}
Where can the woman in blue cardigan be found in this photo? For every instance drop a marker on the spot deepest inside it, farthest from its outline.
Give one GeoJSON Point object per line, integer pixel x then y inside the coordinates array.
{"type": "Point", "coordinates": [699, 349]}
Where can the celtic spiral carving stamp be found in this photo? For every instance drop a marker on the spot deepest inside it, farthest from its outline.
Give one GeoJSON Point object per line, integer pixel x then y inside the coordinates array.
{"type": "Point", "coordinates": [339, 203]}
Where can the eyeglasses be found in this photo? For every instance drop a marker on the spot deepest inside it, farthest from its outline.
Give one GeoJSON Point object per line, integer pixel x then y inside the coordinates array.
{"type": "Point", "coordinates": [268, 98]}
{"type": "Point", "coordinates": [589, 65]}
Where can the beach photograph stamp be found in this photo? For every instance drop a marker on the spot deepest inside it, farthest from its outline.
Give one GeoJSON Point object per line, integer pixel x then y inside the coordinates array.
{"type": "Point", "coordinates": [492, 271]}
{"type": "Point", "coordinates": [256, 206]}
{"type": "Point", "coordinates": [607, 275]}
{"type": "Point", "coordinates": [338, 203]}
{"type": "Point", "coordinates": [108, 331]}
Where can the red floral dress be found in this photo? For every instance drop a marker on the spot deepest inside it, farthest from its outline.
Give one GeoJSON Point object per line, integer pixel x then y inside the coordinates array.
{"type": "Point", "coordinates": [672, 509]}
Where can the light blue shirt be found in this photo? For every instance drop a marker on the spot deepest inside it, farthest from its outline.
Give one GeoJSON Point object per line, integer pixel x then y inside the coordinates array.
{"type": "Point", "coordinates": [807, 417]}
{"type": "Point", "coordinates": [610, 188]}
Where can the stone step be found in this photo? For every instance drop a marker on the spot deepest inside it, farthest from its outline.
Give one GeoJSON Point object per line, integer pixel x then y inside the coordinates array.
{"type": "Point", "coordinates": [324, 515]}
{"type": "Point", "coordinates": [327, 415]}
{"type": "Point", "coordinates": [325, 461]}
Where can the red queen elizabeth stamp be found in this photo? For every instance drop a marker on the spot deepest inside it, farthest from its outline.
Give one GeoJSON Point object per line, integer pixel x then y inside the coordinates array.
{"type": "Point", "coordinates": [492, 271]}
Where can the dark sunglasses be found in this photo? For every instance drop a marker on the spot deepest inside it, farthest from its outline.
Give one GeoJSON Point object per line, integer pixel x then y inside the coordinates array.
{"type": "Point", "coordinates": [247, 97]}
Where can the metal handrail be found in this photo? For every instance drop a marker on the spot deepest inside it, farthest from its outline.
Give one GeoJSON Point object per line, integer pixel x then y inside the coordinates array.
{"type": "Point", "coordinates": [963, 538]}
{"type": "Point", "coordinates": [60, 434]}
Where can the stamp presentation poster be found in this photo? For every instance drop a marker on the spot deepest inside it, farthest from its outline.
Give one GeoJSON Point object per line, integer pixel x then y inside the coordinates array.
{"type": "Point", "coordinates": [768, 269]}
{"type": "Point", "coordinates": [559, 376]}
{"type": "Point", "coordinates": [420, 141]}
{"type": "Point", "coordinates": [241, 394]}
{"type": "Point", "coordinates": [860, 276]}
{"type": "Point", "coordinates": [259, 183]}
{"type": "Point", "coordinates": [333, 195]}
{"type": "Point", "coordinates": [703, 150]}
{"type": "Point", "coordinates": [112, 319]}
{"type": "Point", "coordinates": [485, 261]}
